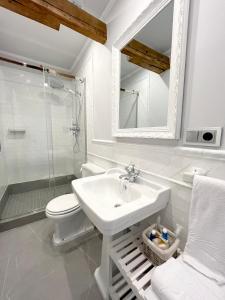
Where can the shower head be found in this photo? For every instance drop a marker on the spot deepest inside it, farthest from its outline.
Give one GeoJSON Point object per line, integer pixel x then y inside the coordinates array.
{"type": "Point", "coordinates": [55, 83]}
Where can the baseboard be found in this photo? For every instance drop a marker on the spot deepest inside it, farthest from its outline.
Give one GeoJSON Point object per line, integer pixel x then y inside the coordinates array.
{"type": "Point", "coordinates": [28, 186]}
{"type": "Point", "coordinates": [8, 224]}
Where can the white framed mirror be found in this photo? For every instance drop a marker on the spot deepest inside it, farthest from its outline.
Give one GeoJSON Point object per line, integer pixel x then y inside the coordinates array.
{"type": "Point", "coordinates": [148, 72]}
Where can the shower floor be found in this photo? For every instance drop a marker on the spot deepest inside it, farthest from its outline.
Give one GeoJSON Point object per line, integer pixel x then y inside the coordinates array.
{"type": "Point", "coordinates": [20, 204]}
{"type": "Point", "coordinates": [25, 202]}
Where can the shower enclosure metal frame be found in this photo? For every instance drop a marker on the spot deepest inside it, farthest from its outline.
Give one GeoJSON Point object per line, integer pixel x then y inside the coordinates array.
{"type": "Point", "coordinates": [37, 67]}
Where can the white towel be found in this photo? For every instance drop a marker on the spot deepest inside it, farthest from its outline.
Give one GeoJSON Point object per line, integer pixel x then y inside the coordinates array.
{"type": "Point", "coordinates": [205, 248]}
{"type": "Point", "coordinates": [176, 280]}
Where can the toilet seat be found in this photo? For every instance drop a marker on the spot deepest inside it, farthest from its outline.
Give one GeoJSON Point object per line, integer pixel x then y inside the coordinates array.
{"type": "Point", "coordinates": [62, 205]}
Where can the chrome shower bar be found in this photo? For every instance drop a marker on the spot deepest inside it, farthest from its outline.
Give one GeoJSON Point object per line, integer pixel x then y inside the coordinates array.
{"type": "Point", "coordinates": [37, 67]}
{"type": "Point", "coordinates": [129, 91]}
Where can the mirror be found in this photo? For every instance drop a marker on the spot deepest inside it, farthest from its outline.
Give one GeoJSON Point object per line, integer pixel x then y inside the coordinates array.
{"type": "Point", "coordinates": [145, 74]}
{"type": "Point", "coordinates": [149, 66]}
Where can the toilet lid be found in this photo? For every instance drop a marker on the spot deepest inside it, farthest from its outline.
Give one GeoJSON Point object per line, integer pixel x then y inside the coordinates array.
{"type": "Point", "coordinates": [63, 204]}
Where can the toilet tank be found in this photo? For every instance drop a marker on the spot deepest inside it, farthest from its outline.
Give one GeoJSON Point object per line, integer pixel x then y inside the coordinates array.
{"type": "Point", "coordinates": [90, 169]}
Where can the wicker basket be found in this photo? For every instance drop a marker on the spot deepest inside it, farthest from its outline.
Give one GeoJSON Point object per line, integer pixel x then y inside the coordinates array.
{"type": "Point", "coordinates": [156, 255]}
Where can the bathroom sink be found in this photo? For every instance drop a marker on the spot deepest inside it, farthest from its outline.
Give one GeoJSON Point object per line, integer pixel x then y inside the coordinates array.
{"type": "Point", "coordinates": [113, 204]}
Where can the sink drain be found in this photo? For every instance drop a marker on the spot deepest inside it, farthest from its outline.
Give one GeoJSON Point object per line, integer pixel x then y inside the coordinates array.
{"type": "Point", "coordinates": [117, 205]}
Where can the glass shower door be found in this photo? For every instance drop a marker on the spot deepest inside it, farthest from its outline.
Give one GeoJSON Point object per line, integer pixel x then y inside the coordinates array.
{"type": "Point", "coordinates": [65, 100]}
{"type": "Point", "coordinates": [79, 127]}
{"type": "Point", "coordinates": [24, 153]}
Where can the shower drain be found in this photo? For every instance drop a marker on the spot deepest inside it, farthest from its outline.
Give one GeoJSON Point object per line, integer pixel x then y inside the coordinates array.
{"type": "Point", "coordinates": [117, 205]}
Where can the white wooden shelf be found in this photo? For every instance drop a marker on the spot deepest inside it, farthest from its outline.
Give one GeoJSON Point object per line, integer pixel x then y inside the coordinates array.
{"type": "Point", "coordinates": [120, 289]}
{"type": "Point", "coordinates": [135, 269]}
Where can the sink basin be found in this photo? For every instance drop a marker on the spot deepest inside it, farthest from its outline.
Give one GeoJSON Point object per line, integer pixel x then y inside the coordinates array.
{"type": "Point", "coordinates": [113, 204]}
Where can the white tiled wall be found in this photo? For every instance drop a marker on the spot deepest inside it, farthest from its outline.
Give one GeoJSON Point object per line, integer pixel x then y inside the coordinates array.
{"type": "Point", "coordinates": [46, 116]}
{"type": "Point", "coordinates": [149, 85]}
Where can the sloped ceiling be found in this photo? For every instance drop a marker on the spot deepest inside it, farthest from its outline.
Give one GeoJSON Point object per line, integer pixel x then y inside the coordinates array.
{"type": "Point", "coordinates": [23, 37]}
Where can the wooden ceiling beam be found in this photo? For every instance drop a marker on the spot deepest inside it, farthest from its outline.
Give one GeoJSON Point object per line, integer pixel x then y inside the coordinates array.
{"type": "Point", "coordinates": [62, 12]}
{"type": "Point", "coordinates": [145, 65]}
{"type": "Point", "coordinates": [146, 57]}
{"type": "Point", "coordinates": [77, 13]}
{"type": "Point", "coordinates": [71, 16]}
{"type": "Point", "coordinates": [35, 15]}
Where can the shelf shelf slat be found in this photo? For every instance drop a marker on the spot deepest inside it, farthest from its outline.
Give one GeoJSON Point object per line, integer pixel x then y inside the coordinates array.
{"type": "Point", "coordinates": [136, 269]}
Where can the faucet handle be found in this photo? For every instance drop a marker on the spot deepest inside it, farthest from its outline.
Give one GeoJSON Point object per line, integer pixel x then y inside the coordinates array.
{"type": "Point", "coordinates": [130, 168]}
{"type": "Point", "coordinates": [136, 172]}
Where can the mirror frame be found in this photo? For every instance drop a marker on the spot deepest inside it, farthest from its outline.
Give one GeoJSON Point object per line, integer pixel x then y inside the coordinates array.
{"type": "Point", "coordinates": [177, 71]}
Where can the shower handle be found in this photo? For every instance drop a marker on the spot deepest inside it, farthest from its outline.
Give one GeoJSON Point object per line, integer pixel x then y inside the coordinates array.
{"type": "Point", "coordinates": [75, 129]}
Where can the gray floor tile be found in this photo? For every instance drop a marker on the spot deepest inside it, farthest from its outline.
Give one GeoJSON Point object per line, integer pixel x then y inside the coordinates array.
{"type": "Point", "coordinates": [5, 243]}
{"type": "Point", "coordinates": [11, 240]}
{"type": "Point", "coordinates": [92, 249]}
{"type": "Point", "coordinates": [42, 229]}
{"type": "Point", "coordinates": [4, 262]}
{"type": "Point", "coordinates": [94, 293]}
{"type": "Point", "coordinates": [32, 269]}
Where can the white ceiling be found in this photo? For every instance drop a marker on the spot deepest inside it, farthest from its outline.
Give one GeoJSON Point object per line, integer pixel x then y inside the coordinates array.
{"type": "Point", "coordinates": [23, 37]}
{"type": "Point", "coordinates": [157, 34]}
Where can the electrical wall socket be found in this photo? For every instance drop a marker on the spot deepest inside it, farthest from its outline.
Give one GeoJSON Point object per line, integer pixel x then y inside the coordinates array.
{"type": "Point", "coordinates": [207, 136]}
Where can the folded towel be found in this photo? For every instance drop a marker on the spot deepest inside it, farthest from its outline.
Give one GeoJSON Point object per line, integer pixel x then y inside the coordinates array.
{"type": "Point", "coordinates": [205, 248]}
{"type": "Point", "coordinates": [176, 280]}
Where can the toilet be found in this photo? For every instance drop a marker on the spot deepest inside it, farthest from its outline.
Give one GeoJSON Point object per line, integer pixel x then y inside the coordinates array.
{"type": "Point", "coordinates": [68, 217]}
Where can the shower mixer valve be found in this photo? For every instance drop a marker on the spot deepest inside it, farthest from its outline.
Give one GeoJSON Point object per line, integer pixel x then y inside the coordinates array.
{"type": "Point", "coordinates": [75, 129]}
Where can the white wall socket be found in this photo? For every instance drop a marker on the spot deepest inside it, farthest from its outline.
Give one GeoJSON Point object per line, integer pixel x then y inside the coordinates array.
{"type": "Point", "coordinates": [205, 136]}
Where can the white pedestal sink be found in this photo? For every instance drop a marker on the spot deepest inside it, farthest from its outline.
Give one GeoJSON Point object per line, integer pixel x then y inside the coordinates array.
{"type": "Point", "coordinates": [114, 205]}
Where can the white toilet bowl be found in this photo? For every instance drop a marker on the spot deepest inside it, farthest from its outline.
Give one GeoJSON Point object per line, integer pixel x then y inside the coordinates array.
{"type": "Point", "coordinates": [67, 215]}
{"type": "Point", "coordinates": [69, 219]}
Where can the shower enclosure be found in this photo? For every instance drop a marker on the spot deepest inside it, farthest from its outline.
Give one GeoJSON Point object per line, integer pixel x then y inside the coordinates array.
{"type": "Point", "coordinates": [42, 137]}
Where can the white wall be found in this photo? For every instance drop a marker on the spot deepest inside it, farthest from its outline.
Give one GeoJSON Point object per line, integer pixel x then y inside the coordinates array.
{"type": "Point", "coordinates": [128, 113]}
{"type": "Point", "coordinates": [203, 105]}
{"type": "Point", "coordinates": [150, 106]}
{"type": "Point", "coordinates": [46, 118]}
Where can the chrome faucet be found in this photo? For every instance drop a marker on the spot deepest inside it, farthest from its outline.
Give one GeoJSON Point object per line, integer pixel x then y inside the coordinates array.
{"type": "Point", "coordinates": [132, 173]}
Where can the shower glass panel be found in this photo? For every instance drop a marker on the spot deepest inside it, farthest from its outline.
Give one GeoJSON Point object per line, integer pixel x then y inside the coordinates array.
{"type": "Point", "coordinates": [65, 107]}
{"type": "Point", "coordinates": [42, 137]}
{"type": "Point", "coordinates": [24, 142]}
